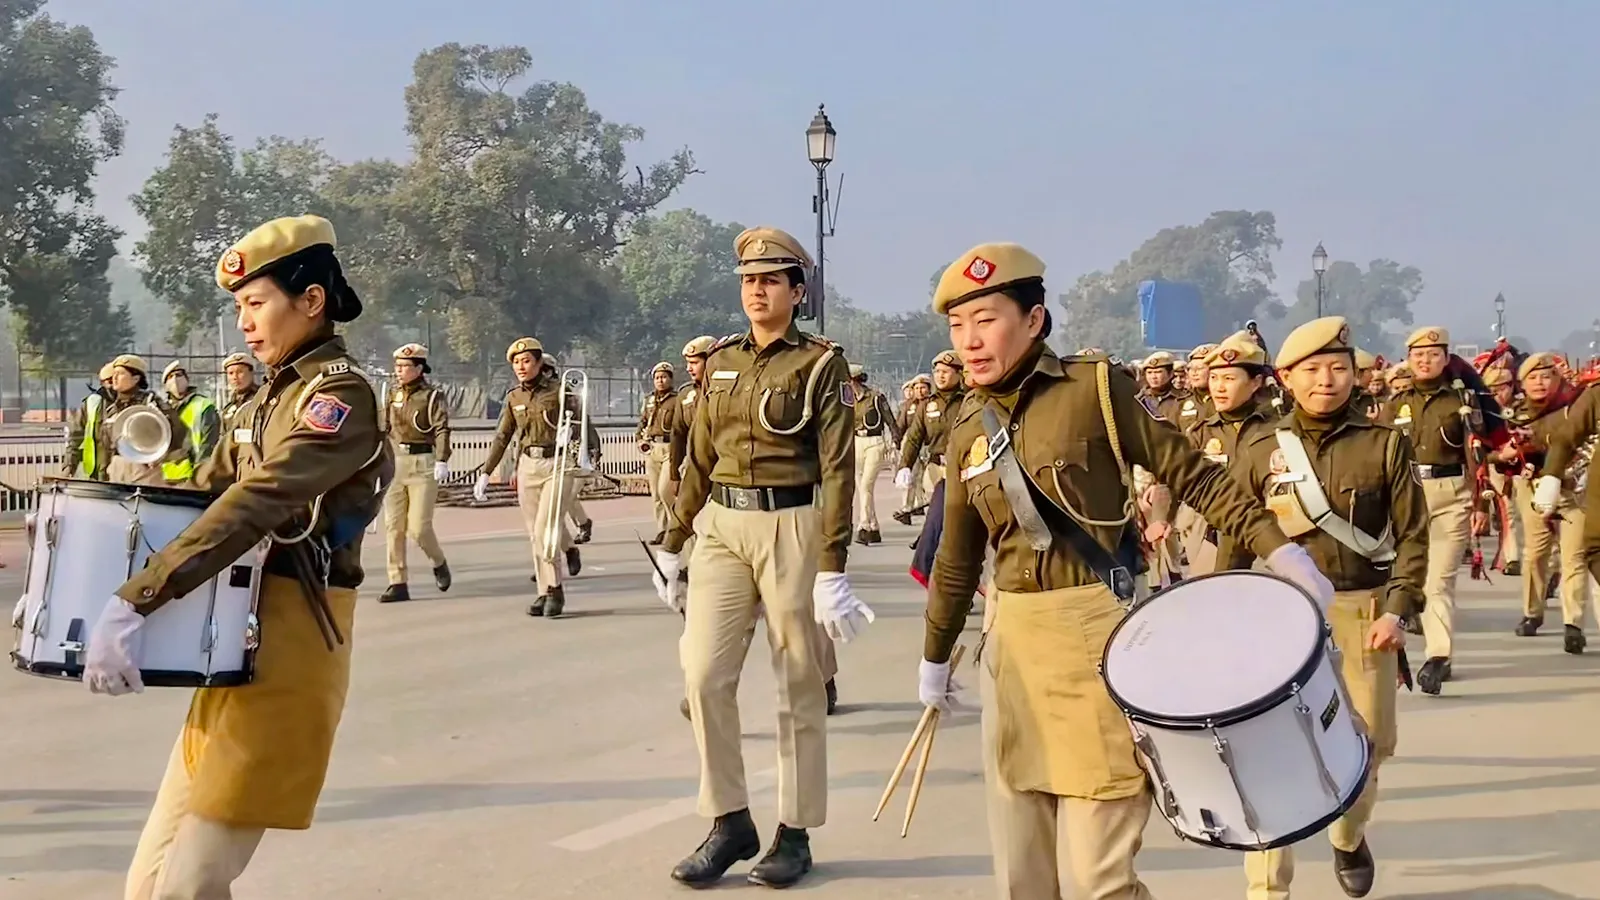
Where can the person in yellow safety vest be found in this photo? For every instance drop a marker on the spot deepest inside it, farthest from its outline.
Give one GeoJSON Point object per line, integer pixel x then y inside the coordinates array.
{"type": "Point", "coordinates": [92, 437]}
{"type": "Point", "coordinates": [202, 423]}
{"type": "Point", "coordinates": [83, 422]}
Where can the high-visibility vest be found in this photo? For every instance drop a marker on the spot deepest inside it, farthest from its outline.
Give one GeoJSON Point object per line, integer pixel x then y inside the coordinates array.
{"type": "Point", "coordinates": [183, 469]}
{"type": "Point", "coordinates": [91, 426]}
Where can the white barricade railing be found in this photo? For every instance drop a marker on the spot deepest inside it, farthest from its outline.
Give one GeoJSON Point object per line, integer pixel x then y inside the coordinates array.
{"type": "Point", "coordinates": [26, 458]}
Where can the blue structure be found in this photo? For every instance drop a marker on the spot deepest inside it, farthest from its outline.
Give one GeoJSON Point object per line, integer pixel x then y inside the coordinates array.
{"type": "Point", "coordinates": [1170, 314]}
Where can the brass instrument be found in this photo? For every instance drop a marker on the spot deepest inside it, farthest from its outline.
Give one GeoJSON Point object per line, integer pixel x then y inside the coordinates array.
{"type": "Point", "coordinates": [1579, 470]}
{"type": "Point", "coordinates": [141, 434]}
{"type": "Point", "coordinates": [573, 381]}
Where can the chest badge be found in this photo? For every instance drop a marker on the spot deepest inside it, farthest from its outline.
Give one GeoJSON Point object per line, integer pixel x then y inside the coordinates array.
{"type": "Point", "coordinates": [979, 452]}
{"type": "Point", "coordinates": [1404, 412]}
{"type": "Point", "coordinates": [1214, 447]}
{"type": "Point", "coordinates": [1277, 463]}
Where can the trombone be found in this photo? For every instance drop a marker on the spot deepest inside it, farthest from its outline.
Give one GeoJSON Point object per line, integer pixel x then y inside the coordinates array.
{"type": "Point", "coordinates": [574, 382]}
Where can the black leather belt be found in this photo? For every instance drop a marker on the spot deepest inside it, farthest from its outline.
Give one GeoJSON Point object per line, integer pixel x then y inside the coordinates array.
{"type": "Point", "coordinates": [936, 459]}
{"type": "Point", "coordinates": [766, 499]}
{"type": "Point", "coordinates": [540, 452]}
{"type": "Point", "coordinates": [1448, 470]}
{"type": "Point", "coordinates": [660, 439]}
{"type": "Point", "coordinates": [868, 432]}
{"type": "Point", "coordinates": [279, 563]}
{"type": "Point", "coordinates": [417, 448]}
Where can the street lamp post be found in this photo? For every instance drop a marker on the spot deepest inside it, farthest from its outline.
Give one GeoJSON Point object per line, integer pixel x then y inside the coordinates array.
{"type": "Point", "coordinates": [1499, 317]}
{"type": "Point", "coordinates": [1319, 265]}
{"type": "Point", "coordinates": [819, 147]}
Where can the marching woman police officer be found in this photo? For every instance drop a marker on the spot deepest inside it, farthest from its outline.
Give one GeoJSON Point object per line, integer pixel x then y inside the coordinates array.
{"type": "Point", "coordinates": [771, 447]}
{"type": "Point", "coordinates": [254, 757]}
{"type": "Point", "coordinates": [876, 433]}
{"type": "Point", "coordinates": [1570, 443]}
{"type": "Point", "coordinates": [1237, 375]}
{"type": "Point", "coordinates": [1346, 489]}
{"type": "Point", "coordinates": [417, 421]}
{"type": "Point", "coordinates": [1030, 451]}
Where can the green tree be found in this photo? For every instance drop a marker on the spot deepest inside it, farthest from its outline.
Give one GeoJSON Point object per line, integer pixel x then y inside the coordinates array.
{"type": "Point", "coordinates": [56, 127]}
{"type": "Point", "coordinates": [677, 283]}
{"type": "Point", "coordinates": [1374, 301]}
{"type": "Point", "coordinates": [516, 199]}
{"type": "Point", "coordinates": [1101, 311]}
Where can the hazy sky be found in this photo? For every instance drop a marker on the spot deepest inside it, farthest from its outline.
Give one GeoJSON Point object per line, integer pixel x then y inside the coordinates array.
{"type": "Point", "coordinates": [1459, 137]}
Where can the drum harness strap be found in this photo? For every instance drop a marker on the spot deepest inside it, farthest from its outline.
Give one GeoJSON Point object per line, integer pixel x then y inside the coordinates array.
{"type": "Point", "coordinates": [1314, 501]}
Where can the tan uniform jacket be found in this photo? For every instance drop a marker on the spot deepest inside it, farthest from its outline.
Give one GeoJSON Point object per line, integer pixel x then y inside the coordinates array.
{"type": "Point", "coordinates": [418, 413]}
{"type": "Point", "coordinates": [1167, 403]}
{"type": "Point", "coordinates": [688, 403]}
{"type": "Point", "coordinates": [658, 417]}
{"type": "Point", "coordinates": [928, 424]}
{"type": "Point", "coordinates": [1579, 422]}
{"type": "Point", "coordinates": [233, 410]}
{"type": "Point", "coordinates": [873, 416]}
{"type": "Point", "coordinates": [729, 444]}
{"type": "Point", "coordinates": [529, 417]}
{"type": "Point", "coordinates": [314, 433]}
{"type": "Point", "coordinates": [1061, 442]}
{"type": "Point", "coordinates": [1432, 419]}
{"type": "Point", "coordinates": [1367, 475]}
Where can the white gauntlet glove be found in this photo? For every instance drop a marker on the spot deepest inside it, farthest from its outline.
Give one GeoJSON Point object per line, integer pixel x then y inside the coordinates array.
{"type": "Point", "coordinates": [19, 612]}
{"type": "Point", "coordinates": [668, 589]}
{"type": "Point", "coordinates": [480, 491]}
{"type": "Point", "coordinates": [115, 646]}
{"type": "Point", "coordinates": [902, 478]}
{"type": "Point", "coordinates": [1291, 561]}
{"type": "Point", "coordinates": [1546, 494]}
{"type": "Point", "coordinates": [441, 471]}
{"type": "Point", "coordinates": [935, 687]}
{"type": "Point", "coordinates": [837, 608]}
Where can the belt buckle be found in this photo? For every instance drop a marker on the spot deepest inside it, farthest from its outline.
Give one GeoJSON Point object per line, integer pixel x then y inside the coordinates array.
{"type": "Point", "coordinates": [741, 498]}
{"type": "Point", "coordinates": [1424, 470]}
{"type": "Point", "coordinates": [1122, 586]}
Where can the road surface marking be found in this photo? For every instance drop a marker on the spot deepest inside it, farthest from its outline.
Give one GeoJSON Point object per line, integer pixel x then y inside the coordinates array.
{"type": "Point", "coordinates": [635, 824]}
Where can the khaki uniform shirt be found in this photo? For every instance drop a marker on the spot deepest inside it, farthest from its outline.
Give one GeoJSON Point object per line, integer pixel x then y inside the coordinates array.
{"type": "Point", "coordinates": [1168, 403]}
{"type": "Point", "coordinates": [1367, 475]}
{"type": "Point", "coordinates": [729, 443]}
{"type": "Point", "coordinates": [313, 433]}
{"type": "Point", "coordinates": [1579, 422]}
{"type": "Point", "coordinates": [658, 418]}
{"type": "Point", "coordinates": [688, 402]}
{"type": "Point", "coordinates": [874, 416]}
{"type": "Point", "coordinates": [529, 417]}
{"type": "Point", "coordinates": [418, 414]}
{"type": "Point", "coordinates": [1432, 419]}
{"type": "Point", "coordinates": [1542, 426]}
{"type": "Point", "coordinates": [1193, 409]}
{"type": "Point", "coordinates": [928, 425]}
{"type": "Point", "coordinates": [234, 408]}
{"type": "Point", "coordinates": [1060, 439]}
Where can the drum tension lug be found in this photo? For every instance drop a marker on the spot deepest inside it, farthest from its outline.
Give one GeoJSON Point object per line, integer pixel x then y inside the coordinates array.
{"type": "Point", "coordinates": [1209, 826]}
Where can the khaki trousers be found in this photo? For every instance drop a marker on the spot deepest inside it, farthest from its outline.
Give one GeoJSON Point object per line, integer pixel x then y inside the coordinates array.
{"type": "Point", "coordinates": [1541, 539]}
{"type": "Point", "coordinates": [870, 452]}
{"type": "Point", "coordinates": [575, 511]}
{"type": "Point", "coordinates": [182, 856]}
{"type": "Point", "coordinates": [917, 494]}
{"type": "Point", "coordinates": [408, 513]}
{"type": "Point", "coordinates": [1449, 529]}
{"type": "Point", "coordinates": [744, 557]}
{"type": "Point", "coordinates": [1050, 847]}
{"type": "Point", "coordinates": [658, 472]}
{"type": "Point", "coordinates": [1370, 676]}
{"type": "Point", "coordinates": [932, 474]}
{"type": "Point", "coordinates": [534, 475]}
{"type": "Point", "coordinates": [1510, 490]}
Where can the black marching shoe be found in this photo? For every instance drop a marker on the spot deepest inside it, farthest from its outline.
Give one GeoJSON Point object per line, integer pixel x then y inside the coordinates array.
{"type": "Point", "coordinates": [536, 608]}
{"type": "Point", "coordinates": [1529, 626]}
{"type": "Point", "coordinates": [874, 536]}
{"type": "Point", "coordinates": [574, 561]}
{"type": "Point", "coordinates": [1433, 674]}
{"type": "Point", "coordinates": [1354, 870]}
{"type": "Point", "coordinates": [441, 577]}
{"type": "Point", "coordinates": [1512, 569]}
{"type": "Point", "coordinates": [786, 862]}
{"type": "Point", "coordinates": [733, 839]}
{"type": "Point", "coordinates": [396, 593]}
{"type": "Point", "coordinates": [833, 696]}
{"type": "Point", "coordinates": [585, 533]}
{"type": "Point", "coordinates": [861, 536]}
{"type": "Point", "coordinates": [555, 602]}
{"type": "Point", "coordinates": [1572, 639]}
{"type": "Point", "coordinates": [902, 516]}
{"type": "Point", "coordinates": [656, 541]}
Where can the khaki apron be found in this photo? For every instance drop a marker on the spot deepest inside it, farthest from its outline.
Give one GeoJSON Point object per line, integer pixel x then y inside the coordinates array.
{"type": "Point", "coordinates": [258, 754]}
{"type": "Point", "coordinates": [1059, 731]}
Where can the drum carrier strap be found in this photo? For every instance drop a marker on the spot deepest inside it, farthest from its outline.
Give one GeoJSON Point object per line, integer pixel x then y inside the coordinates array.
{"type": "Point", "coordinates": [1314, 501]}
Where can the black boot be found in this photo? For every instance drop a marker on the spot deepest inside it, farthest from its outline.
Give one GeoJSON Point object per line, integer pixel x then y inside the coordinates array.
{"type": "Point", "coordinates": [733, 838]}
{"type": "Point", "coordinates": [874, 536]}
{"type": "Point", "coordinates": [1433, 674]}
{"type": "Point", "coordinates": [787, 862]}
{"type": "Point", "coordinates": [861, 536]}
{"type": "Point", "coordinates": [1529, 626]}
{"type": "Point", "coordinates": [396, 593]}
{"type": "Point", "coordinates": [441, 577]}
{"type": "Point", "coordinates": [656, 541]}
{"type": "Point", "coordinates": [902, 516]}
{"type": "Point", "coordinates": [1512, 569]}
{"type": "Point", "coordinates": [574, 561]}
{"type": "Point", "coordinates": [585, 533]}
{"type": "Point", "coordinates": [1354, 870]}
{"type": "Point", "coordinates": [536, 608]}
{"type": "Point", "coordinates": [1572, 639]}
{"type": "Point", "coordinates": [833, 696]}
{"type": "Point", "coordinates": [555, 602]}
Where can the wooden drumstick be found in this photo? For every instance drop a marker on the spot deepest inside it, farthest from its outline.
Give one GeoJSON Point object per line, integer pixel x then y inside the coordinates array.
{"type": "Point", "coordinates": [924, 724]}
{"type": "Point", "coordinates": [922, 772]}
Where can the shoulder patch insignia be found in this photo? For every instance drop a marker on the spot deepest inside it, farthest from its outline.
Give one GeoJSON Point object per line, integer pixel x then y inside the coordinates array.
{"type": "Point", "coordinates": [847, 394]}
{"type": "Point", "coordinates": [336, 368]}
{"type": "Point", "coordinates": [325, 414]}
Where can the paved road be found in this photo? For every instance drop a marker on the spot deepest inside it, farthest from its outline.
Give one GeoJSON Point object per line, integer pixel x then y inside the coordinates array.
{"type": "Point", "coordinates": [488, 755]}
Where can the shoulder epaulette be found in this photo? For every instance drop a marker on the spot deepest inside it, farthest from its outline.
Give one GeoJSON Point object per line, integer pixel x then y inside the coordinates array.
{"type": "Point", "coordinates": [820, 341]}
{"type": "Point", "coordinates": [724, 342]}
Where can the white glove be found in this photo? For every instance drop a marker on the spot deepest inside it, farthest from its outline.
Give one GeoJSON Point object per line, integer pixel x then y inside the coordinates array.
{"type": "Point", "coordinates": [902, 478]}
{"type": "Point", "coordinates": [19, 612]}
{"type": "Point", "coordinates": [441, 471]}
{"type": "Point", "coordinates": [480, 491]}
{"type": "Point", "coordinates": [115, 646]}
{"type": "Point", "coordinates": [563, 437]}
{"type": "Point", "coordinates": [838, 609]}
{"type": "Point", "coordinates": [667, 587]}
{"type": "Point", "coordinates": [935, 687]}
{"type": "Point", "coordinates": [1546, 494]}
{"type": "Point", "coordinates": [1291, 561]}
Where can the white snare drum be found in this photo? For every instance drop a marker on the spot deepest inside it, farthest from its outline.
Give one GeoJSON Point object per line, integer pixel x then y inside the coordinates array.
{"type": "Point", "coordinates": [86, 539]}
{"type": "Point", "coordinates": [1230, 682]}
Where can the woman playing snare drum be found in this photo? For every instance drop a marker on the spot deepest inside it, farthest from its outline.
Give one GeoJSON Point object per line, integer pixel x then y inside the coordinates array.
{"type": "Point", "coordinates": [1068, 802]}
